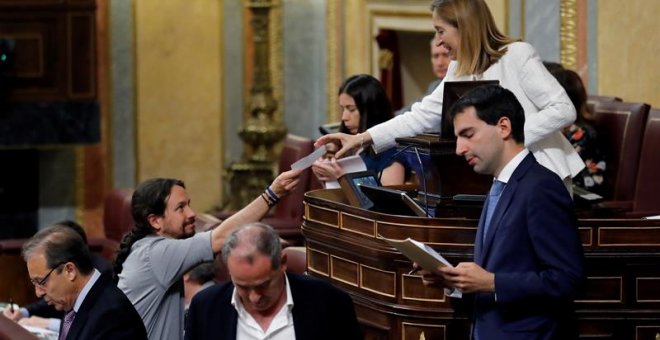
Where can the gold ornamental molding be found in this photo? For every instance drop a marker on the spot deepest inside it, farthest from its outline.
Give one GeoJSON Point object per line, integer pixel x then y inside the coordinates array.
{"type": "Point", "coordinates": [333, 53]}
{"type": "Point", "coordinates": [276, 56]}
{"type": "Point", "coordinates": [264, 128]}
{"type": "Point", "coordinates": [568, 37]}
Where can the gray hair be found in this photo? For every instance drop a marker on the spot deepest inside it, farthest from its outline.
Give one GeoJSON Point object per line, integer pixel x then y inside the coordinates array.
{"type": "Point", "coordinates": [60, 244]}
{"type": "Point", "coordinates": [261, 237]}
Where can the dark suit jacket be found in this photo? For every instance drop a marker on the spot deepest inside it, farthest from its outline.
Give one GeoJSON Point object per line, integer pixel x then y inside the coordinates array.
{"type": "Point", "coordinates": [44, 310]}
{"type": "Point", "coordinates": [534, 249]}
{"type": "Point", "coordinates": [106, 313]}
{"type": "Point", "coordinates": [320, 311]}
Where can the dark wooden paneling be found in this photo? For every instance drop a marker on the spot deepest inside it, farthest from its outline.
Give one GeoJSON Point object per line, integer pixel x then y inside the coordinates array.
{"type": "Point", "coordinates": [648, 289]}
{"type": "Point", "coordinates": [55, 49]}
{"type": "Point", "coordinates": [412, 331]}
{"type": "Point", "coordinates": [82, 68]}
{"type": "Point", "coordinates": [621, 261]}
{"type": "Point", "coordinates": [648, 332]}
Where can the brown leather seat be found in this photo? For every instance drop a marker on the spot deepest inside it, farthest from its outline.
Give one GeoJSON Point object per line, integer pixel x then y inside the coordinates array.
{"type": "Point", "coordinates": [593, 101]}
{"type": "Point", "coordinates": [117, 220]}
{"type": "Point", "coordinates": [117, 217]}
{"type": "Point", "coordinates": [620, 127]}
{"type": "Point", "coordinates": [296, 259]}
{"type": "Point", "coordinates": [288, 214]}
{"type": "Point", "coordinates": [647, 201]}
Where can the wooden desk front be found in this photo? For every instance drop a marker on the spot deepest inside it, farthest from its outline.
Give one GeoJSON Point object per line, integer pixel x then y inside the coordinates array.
{"type": "Point", "coordinates": [622, 298]}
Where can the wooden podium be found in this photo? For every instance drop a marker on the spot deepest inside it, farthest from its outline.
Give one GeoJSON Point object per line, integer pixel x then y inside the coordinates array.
{"type": "Point", "coordinates": [621, 299]}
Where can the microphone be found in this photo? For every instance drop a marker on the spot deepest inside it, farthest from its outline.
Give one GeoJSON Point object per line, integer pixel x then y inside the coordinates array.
{"type": "Point", "coordinates": [426, 194]}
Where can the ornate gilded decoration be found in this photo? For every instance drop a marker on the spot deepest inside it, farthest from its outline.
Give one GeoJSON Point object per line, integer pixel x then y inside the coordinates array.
{"type": "Point", "coordinates": [333, 75]}
{"type": "Point", "coordinates": [385, 59]}
{"type": "Point", "coordinates": [276, 55]}
{"type": "Point", "coordinates": [568, 38]}
{"type": "Point", "coordinates": [249, 176]}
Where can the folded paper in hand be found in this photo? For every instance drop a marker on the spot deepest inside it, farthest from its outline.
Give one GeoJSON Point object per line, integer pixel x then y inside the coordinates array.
{"type": "Point", "coordinates": [349, 164]}
{"type": "Point", "coordinates": [308, 160]}
{"type": "Point", "coordinates": [424, 256]}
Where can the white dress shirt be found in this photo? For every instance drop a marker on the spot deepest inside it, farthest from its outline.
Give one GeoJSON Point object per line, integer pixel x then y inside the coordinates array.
{"type": "Point", "coordinates": [281, 328]}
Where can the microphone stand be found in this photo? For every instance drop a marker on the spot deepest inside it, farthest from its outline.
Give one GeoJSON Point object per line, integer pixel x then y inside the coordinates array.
{"type": "Point", "coordinates": [426, 197]}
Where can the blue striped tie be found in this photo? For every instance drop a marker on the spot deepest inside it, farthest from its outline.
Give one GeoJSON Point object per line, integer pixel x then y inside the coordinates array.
{"type": "Point", "coordinates": [493, 197]}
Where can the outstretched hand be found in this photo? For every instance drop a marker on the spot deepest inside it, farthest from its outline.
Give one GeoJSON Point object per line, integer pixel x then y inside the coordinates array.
{"type": "Point", "coordinates": [348, 142]}
{"type": "Point", "coordinates": [286, 182]}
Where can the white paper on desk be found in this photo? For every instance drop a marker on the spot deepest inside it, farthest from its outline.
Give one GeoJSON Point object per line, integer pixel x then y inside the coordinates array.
{"type": "Point", "coordinates": [352, 164]}
{"type": "Point", "coordinates": [42, 333]}
{"type": "Point", "coordinates": [425, 256]}
{"type": "Point", "coordinates": [308, 160]}
{"type": "Point", "coordinates": [349, 164]}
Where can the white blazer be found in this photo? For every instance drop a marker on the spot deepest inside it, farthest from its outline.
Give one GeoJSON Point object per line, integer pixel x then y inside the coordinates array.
{"type": "Point", "coordinates": [547, 110]}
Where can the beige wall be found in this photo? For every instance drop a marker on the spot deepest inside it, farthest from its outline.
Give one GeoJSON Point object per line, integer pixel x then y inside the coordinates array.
{"type": "Point", "coordinates": [500, 11]}
{"type": "Point", "coordinates": [179, 87]}
{"type": "Point", "coordinates": [629, 50]}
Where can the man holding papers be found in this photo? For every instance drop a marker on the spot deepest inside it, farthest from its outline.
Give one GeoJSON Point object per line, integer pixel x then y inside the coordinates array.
{"type": "Point", "coordinates": [528, 259]}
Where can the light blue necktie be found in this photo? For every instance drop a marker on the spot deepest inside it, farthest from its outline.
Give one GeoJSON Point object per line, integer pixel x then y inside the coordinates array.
{"type": "Point", "coordinates": [493, 197]}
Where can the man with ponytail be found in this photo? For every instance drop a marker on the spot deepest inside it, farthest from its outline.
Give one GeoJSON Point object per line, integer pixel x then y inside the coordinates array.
{"type": "Point", "coordinates": [163, 246]}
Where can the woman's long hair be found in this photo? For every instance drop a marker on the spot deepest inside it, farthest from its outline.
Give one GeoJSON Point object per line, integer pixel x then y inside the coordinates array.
{"type": "Point", "coordinates": [150, 197]}
{"type": "Point", "coordinates": [574, 87]}
{"type": "Point", "coordinates": [370, 99]}
{"type": "Point", "coordinates": [482, 43]}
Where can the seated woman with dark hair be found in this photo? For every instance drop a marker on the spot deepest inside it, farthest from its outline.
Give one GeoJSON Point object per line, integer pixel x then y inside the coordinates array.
{"type": "Point", "coordinates": [582, 134]}
{"type": "Point", "coordinates": [363, 103]}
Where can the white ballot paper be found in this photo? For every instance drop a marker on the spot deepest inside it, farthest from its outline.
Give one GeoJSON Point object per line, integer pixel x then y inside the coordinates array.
{"type": "Point", "coordinates": [308, 160]}
{"type": "Point", "coordinates": [348, 164]}
{"type": "Point", "coordinates": [425, 256]}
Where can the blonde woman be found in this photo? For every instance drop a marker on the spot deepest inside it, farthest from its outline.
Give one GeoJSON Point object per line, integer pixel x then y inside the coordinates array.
{"type": "Point", "coordinates": [479, 51]}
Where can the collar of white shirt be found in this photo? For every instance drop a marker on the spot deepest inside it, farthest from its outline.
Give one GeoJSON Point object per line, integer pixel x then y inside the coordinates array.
{"type": "Point", "coordinates": [510, 167]}
{"type": "Point", "coordinates": [281, 328]}
{"type": "Point", "coordinates": [83, 293]}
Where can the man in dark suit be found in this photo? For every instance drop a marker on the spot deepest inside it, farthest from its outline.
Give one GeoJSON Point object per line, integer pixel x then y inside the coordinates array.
{"type": "Point", "coordinates": [528, 257]}
{"type": "Point", "coordinates": [41, 314]}
{"type": "Point", "coordinates": [261, 300]}
{"type": "Point", "coordinates": [60, 268]}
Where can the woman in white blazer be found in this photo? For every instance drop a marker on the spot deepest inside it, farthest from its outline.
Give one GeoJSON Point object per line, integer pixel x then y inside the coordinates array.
{"type": "Point", "coordinates": [479, 51]}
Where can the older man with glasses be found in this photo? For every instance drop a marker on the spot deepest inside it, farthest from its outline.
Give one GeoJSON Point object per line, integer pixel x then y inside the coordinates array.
{"type": "Point", "coordinates": [61, 270]}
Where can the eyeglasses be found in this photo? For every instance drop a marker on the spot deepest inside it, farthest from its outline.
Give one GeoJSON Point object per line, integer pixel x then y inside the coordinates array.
{"type": "Point", "coordinates": [41, 283]}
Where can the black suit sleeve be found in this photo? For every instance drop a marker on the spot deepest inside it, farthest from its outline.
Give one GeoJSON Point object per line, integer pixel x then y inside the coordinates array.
{"type": "Point", "coordinates": [44, 310]}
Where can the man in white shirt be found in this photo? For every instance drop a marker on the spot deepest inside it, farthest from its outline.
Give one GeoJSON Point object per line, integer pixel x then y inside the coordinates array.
{"type": "Point", "coordinates": [262, 301]}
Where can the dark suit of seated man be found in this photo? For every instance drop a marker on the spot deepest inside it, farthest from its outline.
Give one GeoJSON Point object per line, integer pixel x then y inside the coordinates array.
{"type": "Point", "coordinates": [261, 300]}
{"type": "Point", "coordinates": [60, 268]}
{"type": "Point", "coordinates": [528, 259]}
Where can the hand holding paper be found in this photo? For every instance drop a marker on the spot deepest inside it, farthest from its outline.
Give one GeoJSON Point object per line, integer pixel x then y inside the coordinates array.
{"type": "Point", "coordinates": [308, 160]}
{"type": "Point", "coordinates": [425, 257]}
